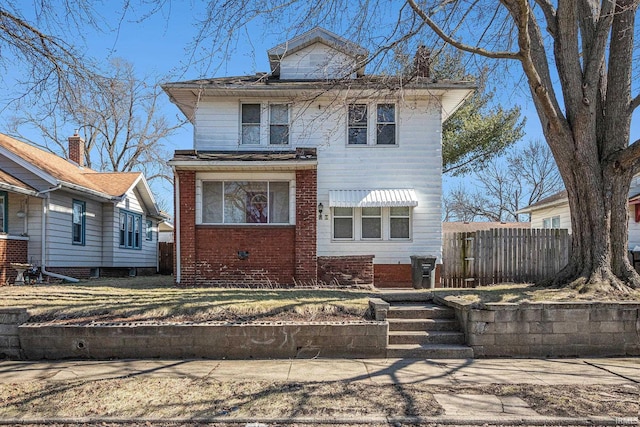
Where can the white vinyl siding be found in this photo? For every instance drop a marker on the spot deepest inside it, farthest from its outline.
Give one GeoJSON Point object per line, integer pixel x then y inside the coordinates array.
{"type": "Point", "coordinates": [317, 61]}
{"type": "Point", "coordinates": [414, 162]}
{"type": "Point", "coordinates": [560, 211]}
{"type": "Point", "coordinates": [61, 252]}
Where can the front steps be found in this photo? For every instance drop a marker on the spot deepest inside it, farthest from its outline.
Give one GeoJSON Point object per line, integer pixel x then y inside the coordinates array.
{"type": "Point", "coordinates": [423, 330]}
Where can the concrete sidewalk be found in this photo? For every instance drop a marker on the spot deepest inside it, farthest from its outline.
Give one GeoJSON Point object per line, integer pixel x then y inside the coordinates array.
{"type": "Point", "coordinates": [383, 371]}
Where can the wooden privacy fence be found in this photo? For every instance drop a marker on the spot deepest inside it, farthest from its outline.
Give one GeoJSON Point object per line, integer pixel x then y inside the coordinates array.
{"type": "Point", "coordinates": [503, 255]}
{"type": "Point", "coordinates": [165, 257]}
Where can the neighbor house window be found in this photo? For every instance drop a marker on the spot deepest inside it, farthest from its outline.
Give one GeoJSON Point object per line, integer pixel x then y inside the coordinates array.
{"type": "Point", "coordinates": [386, 124]}
{"type": "Point", "coordinates": [278, 124]}
{"type": "Point", "coordinates": [130, 230]}
{"type": "Point", "coordinates": [343, 223]}
{"type": "Point", "coordinates": [250, 124]}
{"type": "Point", "coordinates": [245, 202]}
{"type": "Point", "coordinates": [372, 223]}
{"type": "Point", "coordinates": [149, 230]}
{"type": "Point", "coordinates": [4, 205]}
{"type": "Point", "coordinates": [78, 222]}
{"type": "Point", "coordinates": [368, 223]}
{"type": "Point", "coordinates": [357, 124]}
{"type": "Point", "coordinates": [552, 222]}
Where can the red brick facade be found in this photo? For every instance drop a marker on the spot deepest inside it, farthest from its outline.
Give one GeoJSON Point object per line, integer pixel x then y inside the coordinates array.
{"type": "Point", "coordinates": [11, 251]}
{"type": "Point", "coordinates": [392, 275]}
{"type": "Point", "coordinates": [277, 255]}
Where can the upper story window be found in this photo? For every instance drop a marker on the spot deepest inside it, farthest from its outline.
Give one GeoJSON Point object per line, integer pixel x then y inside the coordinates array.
{"type": "Point", "coordinates": [4, 204]}
{"type": "Point", "coordinates": [382, 118]}
{"type": "Point", "coordinates": [272, 130]}
{"type": "Point", "coordinates": [357, 124]}
{"type": "Point", "coordinates": [386, 124]}
{"type": "Point", "coordinates": [245, 202]}
{"type": "Point", "coordinates": [250, 124]}
{"type": "Point", "coordinates": [78, 222]}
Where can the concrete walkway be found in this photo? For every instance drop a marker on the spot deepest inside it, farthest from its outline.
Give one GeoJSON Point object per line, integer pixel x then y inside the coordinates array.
{"type": "Point", "coordinates": [460, 409]}
{"type": "Point", "coordinates": [383, 371]}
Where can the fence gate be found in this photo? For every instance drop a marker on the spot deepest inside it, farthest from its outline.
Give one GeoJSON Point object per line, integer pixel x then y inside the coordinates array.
{"type": "Point", "coordinates": [503, 255]}
{"type": "Point", "coordinates": [165, 257]}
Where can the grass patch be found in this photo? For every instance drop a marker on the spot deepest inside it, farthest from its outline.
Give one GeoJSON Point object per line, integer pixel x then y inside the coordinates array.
{"type": "Point", "coordinates": [522, 292]}
{"type": "Point", "coordinates": [165, 398]}
{"type": "Point", "coordinates": [156, 299]}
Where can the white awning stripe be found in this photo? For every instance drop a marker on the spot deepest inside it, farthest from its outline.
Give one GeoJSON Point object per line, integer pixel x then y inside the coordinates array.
{"type": "Point", "coordinates": [372, 198]}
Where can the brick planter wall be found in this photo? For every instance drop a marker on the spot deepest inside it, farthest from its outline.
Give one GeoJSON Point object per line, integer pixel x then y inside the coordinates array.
{"type": "Point", "coordinates": [11, 251]}
{"type": "Point", "coordinates": [551, 329]}
{"type": "Point", "coordinates": [215, 341]}
{"type": "Point", "coordinates": [354, 270]}
{"type": "Point", "coordinates": [10, 319]}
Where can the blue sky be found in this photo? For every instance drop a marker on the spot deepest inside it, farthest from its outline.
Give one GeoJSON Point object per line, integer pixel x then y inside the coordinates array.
{"type": "Point", "coordinates": [158, 46]}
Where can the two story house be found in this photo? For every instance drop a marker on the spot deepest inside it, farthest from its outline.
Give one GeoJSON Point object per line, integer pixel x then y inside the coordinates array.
{"type": "Point", "coordinates": [314, 172]}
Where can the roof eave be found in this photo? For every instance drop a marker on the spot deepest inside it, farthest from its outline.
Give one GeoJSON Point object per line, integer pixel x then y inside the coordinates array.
{"type": "Point", "coordinates": [243, 165]}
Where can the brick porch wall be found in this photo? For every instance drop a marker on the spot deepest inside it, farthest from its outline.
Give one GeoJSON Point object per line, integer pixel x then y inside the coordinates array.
{"type": "Point", "coordinates": [278, 255]}
{"type": "Point", "coordinates": [271, 260]}
{"type": "Point", "coordinates": [346, 270]}
{"type": "Point", "coordinates": [399, 276]}
{"type": "Point", "coordinates": [11, 251]}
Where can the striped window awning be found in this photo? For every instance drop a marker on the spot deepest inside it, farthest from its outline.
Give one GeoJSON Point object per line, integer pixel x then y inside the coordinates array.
{"type": "Point", "coordinates": [372, 198]}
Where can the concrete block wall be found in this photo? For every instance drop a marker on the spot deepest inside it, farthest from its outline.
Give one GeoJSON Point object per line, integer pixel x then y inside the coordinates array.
{"type": "Point", "coordinates": [214, 341]}
{"type": "Point", "coordinates": [10, 319]}
{"type": "Point", "coordinates": [550, 329]}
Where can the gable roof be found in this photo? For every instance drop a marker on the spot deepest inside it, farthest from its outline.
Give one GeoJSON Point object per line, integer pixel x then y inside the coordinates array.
{"type": "Point", "coordinates": [58, 171]}
{"type": "Point", "coordinates": [316, 35]}
{"type": "Point", "coordinates": [555, 199]}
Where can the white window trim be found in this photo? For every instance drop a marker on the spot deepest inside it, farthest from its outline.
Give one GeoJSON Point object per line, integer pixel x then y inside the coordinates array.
{"type": "Point", "coordinates": [386, 228]}
{"type": "Point", "coordinates": [550, 220]}
{"type": "Point", "coordinates": [372, 123]}
{"type": "Point", "coordinates": [265, 125]}
{"type": "Point", "coordinates": [247, 176]}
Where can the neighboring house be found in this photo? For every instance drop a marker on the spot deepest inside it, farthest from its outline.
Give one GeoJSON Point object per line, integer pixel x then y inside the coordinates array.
{"type": "Point", "coordinates": [553, 212]}
{"type": "Point", "coordinates": [470, 227]}
{"type": "Point", "coordinates": [165, 232]}
{"type": "Point", "coordinates": [69, 220]}
{"type": "Point", "coordinates": [315, 171]}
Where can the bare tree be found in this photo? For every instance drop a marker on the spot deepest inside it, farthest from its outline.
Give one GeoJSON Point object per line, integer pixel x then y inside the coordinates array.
{"type": "Point", "coordinates": [583, 49]}
{"type": "Point", "coordinates": [119, 119]}
{"type": "Point", "coordinates": [521, 178]}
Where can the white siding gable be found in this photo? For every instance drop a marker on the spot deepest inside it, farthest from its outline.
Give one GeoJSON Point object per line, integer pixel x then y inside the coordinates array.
{"type": "Point", "coordinates": [562, 210]}
{"type": "Point", "coordinates": [317, 62]}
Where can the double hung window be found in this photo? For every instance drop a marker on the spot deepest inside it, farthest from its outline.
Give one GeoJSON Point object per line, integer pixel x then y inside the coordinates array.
{"type": "Point", "coordinates": [149, 230]}
{"type": "Point", "coordinates": [245, 202]}
{"type": "Point", "coordinates": [382, 120]}
{"type": "Point", "coordinates": [130, 230]}
{"type": "Point", "coordinates": [276, 125]}
{"type": "Point", "coordinates": [372, 223]}
{"type": "Point", "coordinates": [78, 226]}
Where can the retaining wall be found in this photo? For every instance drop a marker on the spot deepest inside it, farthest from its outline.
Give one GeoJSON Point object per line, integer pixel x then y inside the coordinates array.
{"type": "Point", "coordinates": [215, 340]}
{"type": "Point", "coordinates": [10, 319]}
{"type": "Point", "coordinates": [550, 329]}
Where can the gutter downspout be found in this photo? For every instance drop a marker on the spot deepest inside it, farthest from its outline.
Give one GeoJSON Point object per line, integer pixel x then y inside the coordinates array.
{"type": "Point", "coordinates": [45, 211]}
{"type": "Point", "coordinates": [176, 230]}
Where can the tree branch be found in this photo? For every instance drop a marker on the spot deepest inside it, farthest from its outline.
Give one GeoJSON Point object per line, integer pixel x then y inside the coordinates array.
{"type": "Point", "coordinates": [457, 44]}
{"type": "Point", "coordinates": [550, 15]}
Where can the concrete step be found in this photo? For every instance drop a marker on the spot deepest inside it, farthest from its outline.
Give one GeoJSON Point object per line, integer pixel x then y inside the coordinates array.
{"type": "Point", "coordinates": [423, 325]}
{"type": "Point", "coordinates": [429, 351]}
{"type": "Point", "coordinates": [424, 337]}
{"type": "Point", "coordinates": [420, 311]}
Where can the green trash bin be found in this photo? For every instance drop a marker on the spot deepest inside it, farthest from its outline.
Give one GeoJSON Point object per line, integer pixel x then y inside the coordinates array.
{"type": "Point", "coordinates": [422, 271]}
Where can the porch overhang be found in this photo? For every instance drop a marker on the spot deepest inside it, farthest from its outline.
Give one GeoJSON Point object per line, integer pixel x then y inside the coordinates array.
{"type": "Point", "coordinates": [373, 198]}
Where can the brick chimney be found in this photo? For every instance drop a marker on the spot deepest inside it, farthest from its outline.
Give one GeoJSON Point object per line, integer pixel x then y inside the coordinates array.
{"type": "Point", "coordinates": [422, 62]}
{"type": "Point", "coordinates": [76, 149]}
